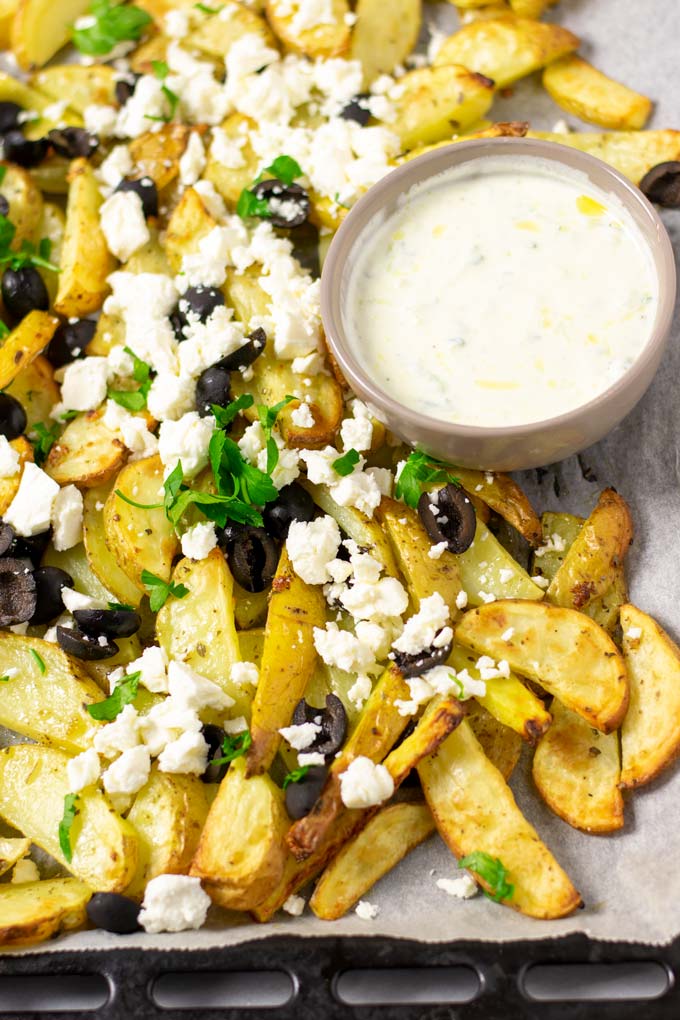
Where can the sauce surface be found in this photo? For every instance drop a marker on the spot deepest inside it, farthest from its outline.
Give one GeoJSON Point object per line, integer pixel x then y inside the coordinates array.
{"type": "Point", "coordinates": [502, 294]}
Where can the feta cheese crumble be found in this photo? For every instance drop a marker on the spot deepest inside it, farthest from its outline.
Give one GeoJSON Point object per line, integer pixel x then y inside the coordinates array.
{"type": "Point", "coordinates": [365, 784]}
{"type": "Point", "coordinates": [30, 512]}
{"type": "Point", "coordinates": [173, 903]}
{"type": "Point", "coordinates": [463, 886]}
{"type": "Point", "coordinates": [366, 911]}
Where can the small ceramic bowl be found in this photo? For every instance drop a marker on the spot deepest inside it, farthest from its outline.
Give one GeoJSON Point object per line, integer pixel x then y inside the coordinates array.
{"type": "Point", "coordinates": [516, 446]}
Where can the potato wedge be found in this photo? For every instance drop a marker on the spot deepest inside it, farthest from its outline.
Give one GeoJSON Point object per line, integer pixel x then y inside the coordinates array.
{"type": "Point", "coordinates": [52, 225]}
{"type": "Point", "coordinates": [199, 629]}
{"type": "Point", "coordinates": [502, 494]}
{"type": "Point", "coordinates": [384, 35]}
{"type": "Point", "coordinates": [34, 911]}
{"type": "Point", "coordinates": [24, 344]}
{"type": "Point", "coordinates": [650, 733]}
{"type": "Point", "coordinates": [15, 91]}
{"type": "Point", "coordinates": [33, 784]}
{"type": "Point", "coordinates": [595, 555]}
{"type": "Point", "coordinates": [82, 85]}
{"type": "Point", "coordinates": [288, 660]}
{"type": "Point", "coordinates": [228, 181]}
{"type": "Point", "coordinates": [156, 154]}
{"type": "Point", "coordinates": [51, 175]}
{"type": "Point", "coordinates": [74, 561]}
{"type": "Point", "coordinates": [168, 815]}
{"type": "Point", "coordinates": [530, 8]}
{"type": "Point", "coordinates": [10, 486]}
{"type": "Point", "coordinates": [582, 90]}
{"type": "Point", "coordinates": [506, 48]}
{"type": "Point", "coordinates": [41, 28]}
{"type": "Point", "coordinates": [388, 837]}
{"type": "Point", "coordinates": [434, 102]}
{"type": "Point", "coordinates": [25, 203]}
{"type": "Point", "coordinates": [7, 11]}
{"type": "Point", "coordinates": [12, 849]}
{"type": "Point", "coordinates": [87, 452]}
{"type": "Point", "coordinates": [558, 531]}
{"type": "Point", "coordinates": [328, 38]}
{"type": "Point", "coordinates": [474, 809]}
{"type": "Point", "coordinates": [502, 129]}
{"type": "Point", "coordinates": [140, 539]}
{"type": "Point", "coordinates": [500, 744]}
{"type": "Point", "coordinates": [50, 707]}
{"type": "Point", "coordinates": [576, 770]}
{"type": "Point", "coordinates": [189, 223]}
{"type": "Point", "coordinates": [486, 569]}
{"type": "Point", "coordinates": [100, 557]}
{"type": "Point", "coordinates": [561, 649]}
{"type": "Point", "coordinates": [242, 850]}
{"type": "Point", "coordinates": [36, 391]}
{"type": "Point", "coordinates": [86, 261]}
{"type": "Point", "coordinates": [217, 33]}
{"type": "Point", "coordinates": [632, 153]}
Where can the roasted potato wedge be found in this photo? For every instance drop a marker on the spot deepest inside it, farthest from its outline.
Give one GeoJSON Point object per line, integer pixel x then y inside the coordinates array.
{"type": "Point", "coordinates": [582, 90]}
{"type": "Point", "coordinates": [36, 391]}
{"type": "Point", "coordinates": [51, 175]}
{"type": "Point", "coordinates": [156, 154]}
{"type": "Point", "coordinates": [328, 38]}
{"type": "Point", "coordinates": [487, 569]}
{"type": "Point", "coordinates": [576, 770]}
{"type": "Point", "coordinates": [41, 28]}
{"type": "Point", "coordinates": [561, 649]}
{"type": "Point", "coordinates": [74, 561]}
{"type": "Point", "coordinates": [500, 744]}
{"type": "Point", "coordinates": [218, 32]}
{"type": "Point", "coordinates": [434, 102]}
{"type": "Point", "coordinates": [12, 849]}
{"type": "Point", "coordinates": [52, 225]}
{"type": "Point", "coordinates": [100, 557]}
{"type": "Point", "coordinates": [25, 203]}
{"type": "Point", "coordinates": [49, 706]}
{"type": "Point", "coordinates": [558, 533]}
{"type": "Point", "coordinates": [388, 837]}
{"type": "Point", "coordinates": [82, 85]}
{"type": "Point", "coordinates": [33, 784]}
{"type": "Point", "coordinates": [34, 911]}
{"type": "Point", "coordinates": [502, 129]}
{"type": "Point", "coordinates": [10, 486]}
{"type": "Point", "coordinates": [502, 494]}
{"type": "Point", "coordinates": [242, 850]}
{"type": "Point", "coordinates": [7, 11]}
{"type": "Point", "coordinates": [189, 223]}
{"type": "Point", "coordinates": [87, 452]}
{"type": "Point", "coordinates": [24, 344]}
{"type": "Point", "coordinates": [384, 35]}
{"type": "Point", "coordinates": [530, 8]}
{"type": "Point", "coordinates": [632, 153]}
{"type": "Point", "coordinates": [650, 733]}
{"type": "Point", "coordinates": [15, 91]}
{"type": "Point", "coordinates": [229, 181]}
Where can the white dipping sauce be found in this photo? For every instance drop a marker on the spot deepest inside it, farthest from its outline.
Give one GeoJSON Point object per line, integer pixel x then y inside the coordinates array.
{"type": "Point", "coordinates": [501, 292]}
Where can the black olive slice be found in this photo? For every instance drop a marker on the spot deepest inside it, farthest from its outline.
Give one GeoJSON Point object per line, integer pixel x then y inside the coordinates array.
{"type": "Point", "coordinates": [288, 203]}
{"type": "Point", "coordinates": [333, 724]}
{"type": "Point", "coordinates": [448, 516]}
{"type": "Point", "coordinates": [125, 88]}
{"type": "Point", "coordinates": [357, 109]}
{"type": "Point", "coordinates": [214, 738]}
{"type": "Point", "coordinates": [305, 239]}
{"type": "Point", "coordinates": [23, 151]}
{"type": "Point", "coordinates": [12, 417]}
{"type": "Point", "coordinates": [415, 665]}
{"type": "Point", "coordinates": [113, 912]}
{"type": "Point", "coordinates": [248, 353]}
{"type": "Point", "coordinates": [293, 503]}
{"type": "Point", "coordinates": [147, 191]}
{"type": "Point", "coordinates": [9, 116]}
{"type": "Point", "coordinates": [17, 591]}
{"type": "Point", "coordinates": [111, 622]}
{"type": "Point", "coordinates": [4, 206]}
{"type": "Point", "coordinates": [83, 647]}
{"type": "Point", "coordinates": [6, 537]}
{"type": "Point", "coordinates": [213, 386]}
{"type": "Point", "coordinates": [661, 184]}
{"type": "Point", "coordinates": [48, 584]}
{"type": "Point", "coordinates": [201, 301]}
{"type": "Point", "coordinates": [253, 559]}
{"type": "Point", "coordinates": [24, 290]}
{"type": "Point", "coordinates": [73, 142]}
{"type": "Point", "coordinates": [69, 341]}
{"type": "Point", "coordinates": [303, 795]}
{"type": "Point", "coordinates": [32, 548]}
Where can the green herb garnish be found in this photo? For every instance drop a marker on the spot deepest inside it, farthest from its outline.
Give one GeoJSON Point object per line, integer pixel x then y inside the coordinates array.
{"type": "Point", "coordinates": [345, 465]}
{"type": "Point", "coordinates": [161, 70]}
{"type": "Point", "coordinates": [296, 775]}
{"type": "Point", "coordinates": [3, 171]}
{"type": "Point", "coordinates": [250, 205]}
{"type": "Point", "coordinates": [46, 438]}
{"type": "Point", "coordinates": [114, 23]}
{"type": "Point", "coordinates": [233, 747]}
{"type": "Point", "coordinates": [121, 607]}
{"type": "Point", "coordinates": [67, 820]}
{"type": "Point", "coordinates": [224, 416]}
{"type": "Point", "coordinates": [5, 679]}
{"type": "Point", "coordinates": [267, 417]}
{"type": "Point", "coordinates": [492, 871]}
{"type": "Point", "coordinates": [420, 471]}
{"type": "Point", "coordinates": [39, 661]}
{"type": "Point", "coordinates": [134, 400]}
{"type": "Point", "coordinates": [204, 9]}
{"type": "Point", "coordinates": [139, 506]}
{"type": "Point", "coordinates": [68, 415]}
{"type": "Point", "coordinates": [4, 329]}
{"type": "Point", "coordinates": [28, 254]}
{"type": "Point", "coordinates": [123, 694]}
{"type": "Point", "coordinates": [284, 169]}
{"type": "Point", "coordinates": [159, 590]}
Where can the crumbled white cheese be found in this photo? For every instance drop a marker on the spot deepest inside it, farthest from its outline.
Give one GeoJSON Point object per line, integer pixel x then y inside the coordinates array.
{"type": "Point", "coordinates": [301, 736]}
{"type": "Point", "coordinates": [122, 734]}
{"type": "Point", "coordinates": [359, 691]}
{"type": "Point", "coordinates": [152, 665]}
{"type": "Point", "coordinates": [386, 598]}
{"type": "Point", "coordinates": [118, 164]}
{"type": "Point", "coordinates": [67, 518]}
{"type": "Point", "coordinates": [173, 903]}
{"type": "Point", "coordinates": [129, 772]}
{"type": "Point", "coordinates": [311, 546]}
{"type": "Point", "coordinates": [461, 599]}
{"type": "Point", "coordinates": [73, 600]}
{"type": "Point", "coordinates": [310, 758]}
{"type": "Point", "coordinates": [207, 265]}
{"type": "Point", "coordinates": [84, 385]}
{"type": "Point", "coordinates": [194, 691]}
{"type": "Point", "coordinates": [187, 755]}
{"type": "Point", "coordinates": [199, 540]}
{"type": "Point", "coordinates": [365, 784]}
{"type": "Point", "coordinates": [30, 512]}
{"type": "Point", "coordinates": [366, 911]}
{"type": "Point", "coordinates": [234, 726]}
{"type": "Point", "coordinates": [176, 23]}
{"type": "Point", "coordinates": [505, 574]}
{"type": "Point", "coordinates": [100, 119]}
{"type": "Point", "coordinates": [192, 160]}
{"type": "Point", "coordinates": [633, 633]}
{"type": "Point", "coordinates": [421, 629]}
{"type": "Point", "coordinates": [435, 552]}
{"type": "Point", "coordinates": [208, 342]}
{"type": "Point", "coordinates": [294, 905]}
{"type": "Point", "coordinates": [554, 543]}
{"type": "Point", "coordinates": [486, 596]}
{"type": "Point", "coordinates": [507, 634]}
{"type": "Point", "coordinates": [123, 224]}
{"type": "Point", "coordinates": [166, 722]}
{"type": "Point", "coordinates": [210, 198]}
{"type": "Point", "coordinates": [9, 459]}
{"type": "Point", "coordinates": [24, 871]}
{"type": "Point", "coordinates": [227, 150]}
{"type": "Point", "coordinates": [360, 490]}
{"type": "Point", "coordinates": [542, 582]}
{"type": "Point", "coordinates": [244, 673]}
{"type": "Point", "coordinates": [490, 670]}
{"type": "Point", "coordinates": [462, 886]}
{"type": "Point", "coordinates": [302, 417]}
{"type": "Point", "coordinates": [343, 649]}
{"type": "Point", "coordinates": [186, 440]}
{"type": "Point", "coordinates": [131, 428]}
{"type": "Point", "coordinates": [357, 433]}
{"type": "Point", "coordinates": [83, 770]}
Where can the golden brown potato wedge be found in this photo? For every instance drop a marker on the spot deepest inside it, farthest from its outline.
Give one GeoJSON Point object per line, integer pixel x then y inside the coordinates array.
{"type": "Point", "coordinates": [12, 849]}
{"type": "Point", "coordinates": [87, 452]}
{"type": "Point", "coordinates": [10, 486]}
{"type": "Point", "coordinates": [558, 531]}
{"type": "Point", "coordinates": [328, 38]}
{"type": "Point", "coordinates": [530, 8]}
{"type": "Point", "coordinates": [435, 102]}
{"type": "Point", "coordinates": [487, 569]}
{"type": "Point", "coordinates": [25, 203]}
{"type": "Point", "coordinates": [632, 153]}
{"type": "Point", "coordinates": [384, 35]}
{"type": "Point", "coordinates": [52, 226]}
{"type": "Point", "coordinates": [15, 91]}
{"type": "Point", "coordinates": [229, 182]}
{"type": "Point", "coordinates": [388, 837]}
{"type": "Point", "coordinates": [79, 84]}
{"type": "Point", "coordinates": [502, 129]}
{"type": "Point", "coordinates": [74, 561]}
{"type": "Point", "coordinates": [502, 494]}
{"type": "Point", "coordinates": [595, 555]}
{"type": "Point", "coordinates": [242, 850]}
{"type": "Point", "coordinates": [576, 770]}
{"type": "Point", "coordinates": [156, 154]}
{"type": "Point", "coordinates": [582, 90]}
{"type": "Point", "coordinates": [650, 733]}
{"type": "Point", "coordinates": [7, 11]}
{"type": "Point", "coordinates": [218, 32]}
{"type": "Point", "coordinates": [86, 261]}
{"type": "Point", "coordinates": [24, 344]}
{"type": "Point", "coordinates": [506, 48]}
{"type": "Point", "coordinates": [500, 744]}
{"type": "Point", "coordinates": [189, 223]}
{"type": "Point", "coordinates": [99, 555]}
{"type": "Point", "coordinates": [51, 175]}
{"type": "Point", "coordinates": [288, 660]}
{"type": "Point", "coordinates": [474, 810]}
{"type": "Point", "coordinates": [34, 911]}
{"type": "Point", "coordinates": [33, 784]}
{"type": "Point", "coordinates": [561, 649]}
{"type": "Point", "coordinates": [440, 718]}
{"type": "Point", "coordinates": [36, 391]}
{"type": "Point", "coordinates": [41, 28]}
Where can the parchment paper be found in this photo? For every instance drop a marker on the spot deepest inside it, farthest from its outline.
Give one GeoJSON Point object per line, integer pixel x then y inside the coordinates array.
{"type": "Point", "coordinates": [630, 881]}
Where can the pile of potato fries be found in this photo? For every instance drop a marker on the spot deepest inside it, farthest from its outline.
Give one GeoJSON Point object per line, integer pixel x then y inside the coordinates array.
{"type": "Point", "coordinates": [592, 683]}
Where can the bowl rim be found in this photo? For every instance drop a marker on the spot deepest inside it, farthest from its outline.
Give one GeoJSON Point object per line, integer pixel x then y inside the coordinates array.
{"type": "Point", "coordinates": [436, 161]}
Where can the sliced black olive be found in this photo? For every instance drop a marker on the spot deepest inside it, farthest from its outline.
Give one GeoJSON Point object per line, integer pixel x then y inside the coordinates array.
{"type": "Point", "coordinates": [6, 537]}
{"type": "Point", "coordinates": [214, 738]}
{"type": "Point", "coordinates": [253, 558]}
{"type": "Point", "coordinates": [414, 665]}
{"type": "Point", "coordinates": [306, 247]}
{"type": "Point", "coordinates": [661, 184]}
{"type": "Point", "coordinates": [293, 503]}
{"type": "Point", "coordinates": [147, 191]}
{"type": "Point", "coordinates": [83, 647]}
{"type": "Point", "coordinates": [357, 109]}
{"type": "Point", "coordinates": [200, 301]}
{"type": "Point", "coordinates": [21, 150]}
{"type": "Point", "coordinates": [248, 353]}
{"type": "Point", "coordinates": [48, 584]}
{"type": "Point", "coordinates": [73, 142]}
{"type": "Point", "coordinates": [112, 912]}
{"type": "Point", "coordinates": [125, 88]}
{"type": "Point", "coordinates": [12, 417]}
{"type": "Point", "coordinates": [9, 116]}
{"type": "Point", "coordinates": [17, 591]}
{"type": "Point", "coordinates": [31, 548]}
{"type": "Point", "coordinates": [24, 290]}
{"type": "Point", "coordinates": [448, 516]}
{"type": "Point", "coordinates": [70, 340]}
{"type": "Point", "coordinates": [4, 206]}
{"type": "Point", "coordinates": [333, 723]}
{"type": "Point", "coordinates": [213, 386]}
{"type": "Point", "coordinates": [303, 795]}
{"type": "Point", "coordinates": [288, 203]}
{"type": "Point", "coordinates": [111, 622]}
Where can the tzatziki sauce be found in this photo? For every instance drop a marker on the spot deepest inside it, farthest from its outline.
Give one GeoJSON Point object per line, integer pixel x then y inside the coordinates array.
{"type": "Point", "coordinates": [504, 291]}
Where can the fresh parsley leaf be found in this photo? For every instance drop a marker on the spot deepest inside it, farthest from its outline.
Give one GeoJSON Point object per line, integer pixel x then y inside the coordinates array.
{"type": "Point", "coordinates": [336, 199]}
{"type": "Point", "coordinates": [492, 871]}
{"type": "Point", "coordinates": [3, 171]}
{"type": "Point", "coordinates": [224, 416]}
{"type": "Point", "coordinates": [267, 417]}
{"type": "Point", "coordinates": [234, 476]}
{"type": "Point", "coordinates": [68, 415]}
{"type": "Point", "coordinates": [114, 23]}
{"type": "Point", "coordinates": [39, 661]}
{"type": "Point", "coordinates": [345, 465]}
{"type": "Point", "coordinates": [121, 606]}
{"type": "Point", "coordinates": [131, 400]}
{"type": "Point", "coordinates": [285, 169]}
{"type": "Point", "coordinates": [458, 683]}
{"type": "Point", "coordinates": [159, 590]}
{"type": "Point", "coordinates": [122, 695]}
{"type": "Point", "coordinates": [160, 69]}
{"type": "Point", "coordinates": [44, 441]}
{"type": "Point", "coordinates": [140, 506]}
{"type": "Point", "coordinates": [4, 329]}
{"type": "Point", "coordinates": [67, 820]}
{"type": "Point", "coordinates": [233, 747]}
{"type": "Point", "coordinates": [7, 232]}
{"type": "Point", "coordinates": [250, 205]}
{"type": "Point", "coordinates": [296, 775]}
{"type": "Point", "coordinates": [420, 471]}
{"type": "Point", "coordinates": [5, 679]}
{"type": "Point", "coordinates": [204, 9]}
{"type": "Point", "coordinates": [28, 254]}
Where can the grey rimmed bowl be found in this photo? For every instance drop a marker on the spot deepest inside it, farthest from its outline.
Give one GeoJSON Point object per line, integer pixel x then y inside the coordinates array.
{"type": "Point", "coordinates": [516, 446]}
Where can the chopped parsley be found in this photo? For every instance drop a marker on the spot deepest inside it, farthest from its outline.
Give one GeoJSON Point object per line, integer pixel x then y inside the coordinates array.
{"type": "Point", "coordinates": [39, 661]}
{"type": "Point", "coordinates": [114, 23]}
{"type": "Point", "coordinates": [28, 254]}
{"type": "Point", "coordinates": [267, 417]}
{"type": "Point", "coordinates": [224, 416]}
{"type": "Point", "coordinates": [492, 871]}
{"type": "Point", "coordinates": [204, 9]}
{"type": "Point", "coordinates": [134, 400]}
{"type": "Point", "coordinates": [420, 471]}
{"type": "Point", "coordinates": [67, 820]}
{"type": "Point", "coordinates": [121, 607]}
{"type": "Point", "coordinates": [3, 171]}
{"type": "Point", "coordinates": [159, 590]}
{"type": "Point", "coordinates": [296, 775]}
{"type": "Point", "coordinates": [345, 465]}
{"type": "Point", "coordinates": [161, 70]}
{"type": "Point", "coordinates": [5, 679]}
{"type": "Point", "coordinates": [459, 684]}
{"type": "Point", "coordinates": [122, 695]}
{"type": "Point", "coordinates": [233, 747]}
{"type": "Point", "coordinates": [44, 441]}
{"type": "Point", "coordinates": [284, 169]}
{"type": "Point", "coordinates": [4, 328]}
